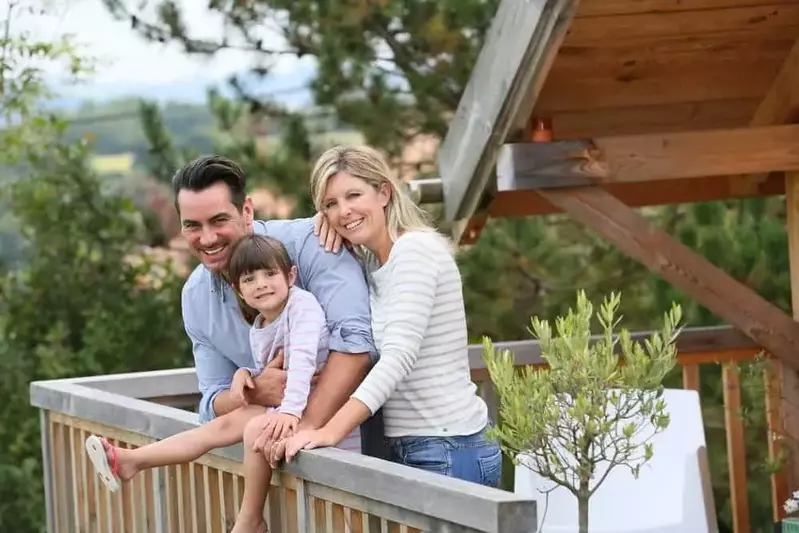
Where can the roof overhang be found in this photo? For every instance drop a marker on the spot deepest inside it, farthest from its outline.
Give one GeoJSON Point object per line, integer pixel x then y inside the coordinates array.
{"type": "Point", "coordinates": [526, 35]}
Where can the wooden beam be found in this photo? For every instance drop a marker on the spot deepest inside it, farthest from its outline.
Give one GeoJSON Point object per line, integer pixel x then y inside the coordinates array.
{"type": "Point", "coordinates": [781, 104]}
{"type": "Point", "coordinates": [604, 8]}
{"type": "Point", "coordinates": [737, 304]}
{"type": "Point", "coordinates": [639, 158]}
{"type": "Point", "coordinates": [754, 16]}
{"type": "Point", "coordinates": [632, 120]}
{"type": "Point", "coordinates": [520, 46]}
{"type": "Point", "coordinates": [530, 202]}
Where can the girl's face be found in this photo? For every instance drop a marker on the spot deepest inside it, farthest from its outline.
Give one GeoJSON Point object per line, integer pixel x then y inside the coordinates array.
{"type": "Point", "coordinates": [356, 209]}
{"type": "Point", "coordinates": [266, 290]}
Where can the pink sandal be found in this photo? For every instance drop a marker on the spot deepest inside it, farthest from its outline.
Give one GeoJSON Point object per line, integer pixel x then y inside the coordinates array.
{"type": "Point", "coordinates": [97, 455]}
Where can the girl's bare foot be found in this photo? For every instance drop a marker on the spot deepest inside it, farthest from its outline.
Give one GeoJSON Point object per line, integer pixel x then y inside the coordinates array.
{"type": "Point", "coordinates": [111, 462]}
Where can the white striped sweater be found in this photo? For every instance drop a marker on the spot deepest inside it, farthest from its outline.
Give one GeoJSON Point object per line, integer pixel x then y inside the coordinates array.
{"type": "Point", "coordinates": [422, 378]}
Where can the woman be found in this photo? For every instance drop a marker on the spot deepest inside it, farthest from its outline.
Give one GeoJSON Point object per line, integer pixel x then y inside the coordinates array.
{"type": "Point", "coordinates": [434, 419]}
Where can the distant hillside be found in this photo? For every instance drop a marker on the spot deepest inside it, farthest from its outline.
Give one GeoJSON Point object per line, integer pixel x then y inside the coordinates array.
{"type": "Point", "coordinates": [115, 128]}
{"type": "Point", "coordinates": [115, 132]}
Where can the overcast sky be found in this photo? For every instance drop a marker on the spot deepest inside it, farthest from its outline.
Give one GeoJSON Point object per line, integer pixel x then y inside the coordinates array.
{"type": "Point", "coordinates": [127, 63]}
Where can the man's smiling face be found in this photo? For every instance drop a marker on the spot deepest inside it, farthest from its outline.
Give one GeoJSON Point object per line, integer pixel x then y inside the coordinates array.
{"type": "Point", "coordinates": [210, 223]}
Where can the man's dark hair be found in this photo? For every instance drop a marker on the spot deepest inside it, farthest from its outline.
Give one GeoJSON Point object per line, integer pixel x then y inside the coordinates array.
{"type": "Point", "coordinates": [208, 170]}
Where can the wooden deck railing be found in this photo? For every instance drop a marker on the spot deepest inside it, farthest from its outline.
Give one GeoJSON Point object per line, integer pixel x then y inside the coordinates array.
{"type": "Point", "coordinates": [696, 346]}
{"type": "Point", "coordinates": [324, 491]}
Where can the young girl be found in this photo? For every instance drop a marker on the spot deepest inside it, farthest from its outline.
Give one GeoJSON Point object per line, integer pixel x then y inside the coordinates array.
{"type": "Point", "coordinates": [283, 317]}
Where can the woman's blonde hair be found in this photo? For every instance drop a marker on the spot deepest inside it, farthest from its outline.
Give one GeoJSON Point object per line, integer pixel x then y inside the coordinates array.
{"type": "Point", "coordinates": [366, 163]}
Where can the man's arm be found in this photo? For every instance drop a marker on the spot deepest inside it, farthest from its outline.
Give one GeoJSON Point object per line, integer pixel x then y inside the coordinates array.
{"type": "Point", "coordinates": [337, 280]}
{"type": "Point", "coordinates": [214, 375]}
{"type": "Point", "coordinates": [269, 387]}
{"type": "Point", "coordinates": [338, 380]}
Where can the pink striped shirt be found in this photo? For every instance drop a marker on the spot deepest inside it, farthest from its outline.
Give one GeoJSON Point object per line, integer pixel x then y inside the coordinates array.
{"type": "Point", "coordinates": [301, 331]}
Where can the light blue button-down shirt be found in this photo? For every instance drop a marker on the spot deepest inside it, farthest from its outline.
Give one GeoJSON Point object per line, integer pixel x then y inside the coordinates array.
{"type": "Point", "coordinates": [220, 336]}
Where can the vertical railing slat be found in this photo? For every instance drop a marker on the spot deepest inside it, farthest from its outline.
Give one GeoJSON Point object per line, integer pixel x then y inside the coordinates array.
{"type": "Point", "coordinates": [134, 503]}
{"type": "Point", "coordinates": [302, 507]}
{"type": "Point", "coordinates": [47, 470]}
{"type": "Point", "coordinates": [73, 459]}
{"type": "Point", "coordinates": [690, 377]}
{"type": "Point", "coordinates": [736, 451]}
{"type": "Point", "coordinates": [194, 507]}
{"type": "Point", "coordinates": [180, 485]}
{"type": "Point", "coordinates": [86, 472]}
{"type": "Point", "coordinates": [772, 376]}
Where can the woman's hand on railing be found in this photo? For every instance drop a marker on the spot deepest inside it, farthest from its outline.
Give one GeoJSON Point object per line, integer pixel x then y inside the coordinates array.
{"type": "Point", "coordinates": [307, 440]}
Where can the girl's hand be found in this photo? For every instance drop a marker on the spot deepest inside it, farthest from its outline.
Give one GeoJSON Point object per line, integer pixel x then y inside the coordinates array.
{"type": "Point", "coordinates": [307, 440]}
{"type": "Point", "coordinates": [242, 381]}
{"type": "Point", "coordinates": [284, 426]}
{"type": "Point", "coordinates": [277, 427]}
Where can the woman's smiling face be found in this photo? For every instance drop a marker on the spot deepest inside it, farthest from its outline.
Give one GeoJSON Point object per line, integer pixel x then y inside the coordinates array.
{"type": "Point", "coordinates": [356, 209]}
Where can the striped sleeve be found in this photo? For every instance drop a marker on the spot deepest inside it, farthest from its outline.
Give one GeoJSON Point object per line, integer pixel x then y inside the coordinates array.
{"type": "Point", "coordinates": [409, 296]}
{"type": "Point", "coordinates": [306, 321]}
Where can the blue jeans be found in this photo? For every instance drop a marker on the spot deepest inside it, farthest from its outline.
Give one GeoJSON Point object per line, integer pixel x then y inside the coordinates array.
{"type": "Point", "coordinates": [469, 457]}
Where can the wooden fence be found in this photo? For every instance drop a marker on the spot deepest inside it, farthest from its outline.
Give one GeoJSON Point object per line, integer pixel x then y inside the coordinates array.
{"type": "Point", "coordinates": [316, 493]}
{"type": "Point", "coordinates": [323, 491]}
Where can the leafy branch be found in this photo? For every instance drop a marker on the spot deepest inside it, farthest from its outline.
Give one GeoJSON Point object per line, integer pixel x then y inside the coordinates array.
{"type": "Point", "coordinates": [596, 408]}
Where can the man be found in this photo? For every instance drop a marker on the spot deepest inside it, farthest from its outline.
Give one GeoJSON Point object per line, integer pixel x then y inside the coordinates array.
{"type": "Point", "coordinates": [214, 211]}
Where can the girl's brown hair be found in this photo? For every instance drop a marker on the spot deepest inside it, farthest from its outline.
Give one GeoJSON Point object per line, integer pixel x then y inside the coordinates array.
{"type": "Point", "coordinates": [255, 252]}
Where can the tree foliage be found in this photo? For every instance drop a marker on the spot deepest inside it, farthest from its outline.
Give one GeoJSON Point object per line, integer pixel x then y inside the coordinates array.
{"type": "Point", "coordinates": [390, 69]}
{"type": "Point", "coordinates": [283, 166]}
{"type": "Point", "coordinates": [597, 406]}
{"type": "Point", "coordinates": [78, 303]}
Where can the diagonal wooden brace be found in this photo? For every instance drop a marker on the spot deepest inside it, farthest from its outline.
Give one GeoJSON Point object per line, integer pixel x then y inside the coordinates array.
{"type": "Point", "coordinates": [739, 305]}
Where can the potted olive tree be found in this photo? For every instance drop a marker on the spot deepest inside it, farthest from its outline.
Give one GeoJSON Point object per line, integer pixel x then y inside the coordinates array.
{"type": "Point", "coordinates": [596, 407]}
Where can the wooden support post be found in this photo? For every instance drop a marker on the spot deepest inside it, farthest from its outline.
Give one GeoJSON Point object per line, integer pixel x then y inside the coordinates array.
{"type": "Point", "coordinates": [789, 379]}
{"type": "Point", "coordinates": [781, 106]}
{"type": "Point", "coordinates": [690, 377]}
{"type": "Point", "coordinates": [526, 35]}
{"type": "Point", "coordinates": [683, 268]}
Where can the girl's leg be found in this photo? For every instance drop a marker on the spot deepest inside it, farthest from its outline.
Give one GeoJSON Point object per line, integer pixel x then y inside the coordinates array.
{"type": "Point", "coordinates": [181, 448]}
{"type": "Point", "coordinates": [257, 478]}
